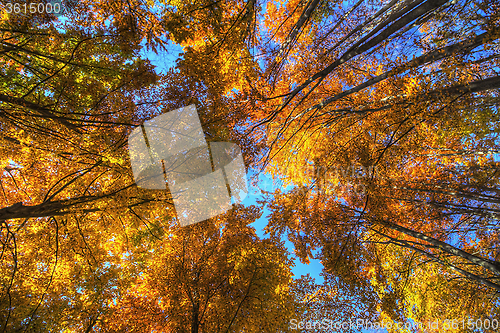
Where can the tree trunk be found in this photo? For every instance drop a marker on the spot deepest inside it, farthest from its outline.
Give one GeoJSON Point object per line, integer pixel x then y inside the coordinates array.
{"type": "Point", "coordinates": [195, 325]}
{"type": "Point", "coordinates": [494, 267]}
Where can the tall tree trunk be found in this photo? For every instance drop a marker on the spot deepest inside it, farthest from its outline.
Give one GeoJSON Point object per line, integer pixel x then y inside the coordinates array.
{"type": "Point", "coordinates": [195, 325]}
{"type": "Point", "coordinates": [494, 267]}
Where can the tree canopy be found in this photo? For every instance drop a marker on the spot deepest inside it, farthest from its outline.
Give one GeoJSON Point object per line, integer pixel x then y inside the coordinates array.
{"type": "Point", "coordinates": [380, 118]}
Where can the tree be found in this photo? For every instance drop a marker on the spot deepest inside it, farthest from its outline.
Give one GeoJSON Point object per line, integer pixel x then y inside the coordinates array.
{"type": "Point", "coordinates": [208, 277]}
{"type": "Point", "coordinates": [380, 147]}
{"type": "Point", "coordinates": [70, 95]}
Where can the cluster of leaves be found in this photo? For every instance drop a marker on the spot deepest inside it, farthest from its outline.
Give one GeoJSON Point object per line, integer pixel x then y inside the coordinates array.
{"type": "Point", "coordinates": [405, 91]}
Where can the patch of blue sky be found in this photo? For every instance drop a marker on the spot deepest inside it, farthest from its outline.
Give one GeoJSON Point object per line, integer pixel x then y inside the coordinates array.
{"type": "Point", "coordinates": [264, 182]}
{"type": "Point", "coordinates": [163, 60]}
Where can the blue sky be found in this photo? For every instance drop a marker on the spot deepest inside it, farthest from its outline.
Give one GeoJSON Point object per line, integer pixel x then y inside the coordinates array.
{"type": "Point", "coordinates": [266, 183]}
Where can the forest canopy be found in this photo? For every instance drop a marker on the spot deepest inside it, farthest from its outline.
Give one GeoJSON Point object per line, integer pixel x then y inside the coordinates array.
{"type": "Point", "coordinates": [380, 119]}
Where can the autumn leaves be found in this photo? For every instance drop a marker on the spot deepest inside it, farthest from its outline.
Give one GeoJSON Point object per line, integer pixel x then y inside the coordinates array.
{"type": "Point", "coordinates": [398, 99]}
{"type": "Point", "coordinates": [407, 103]}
